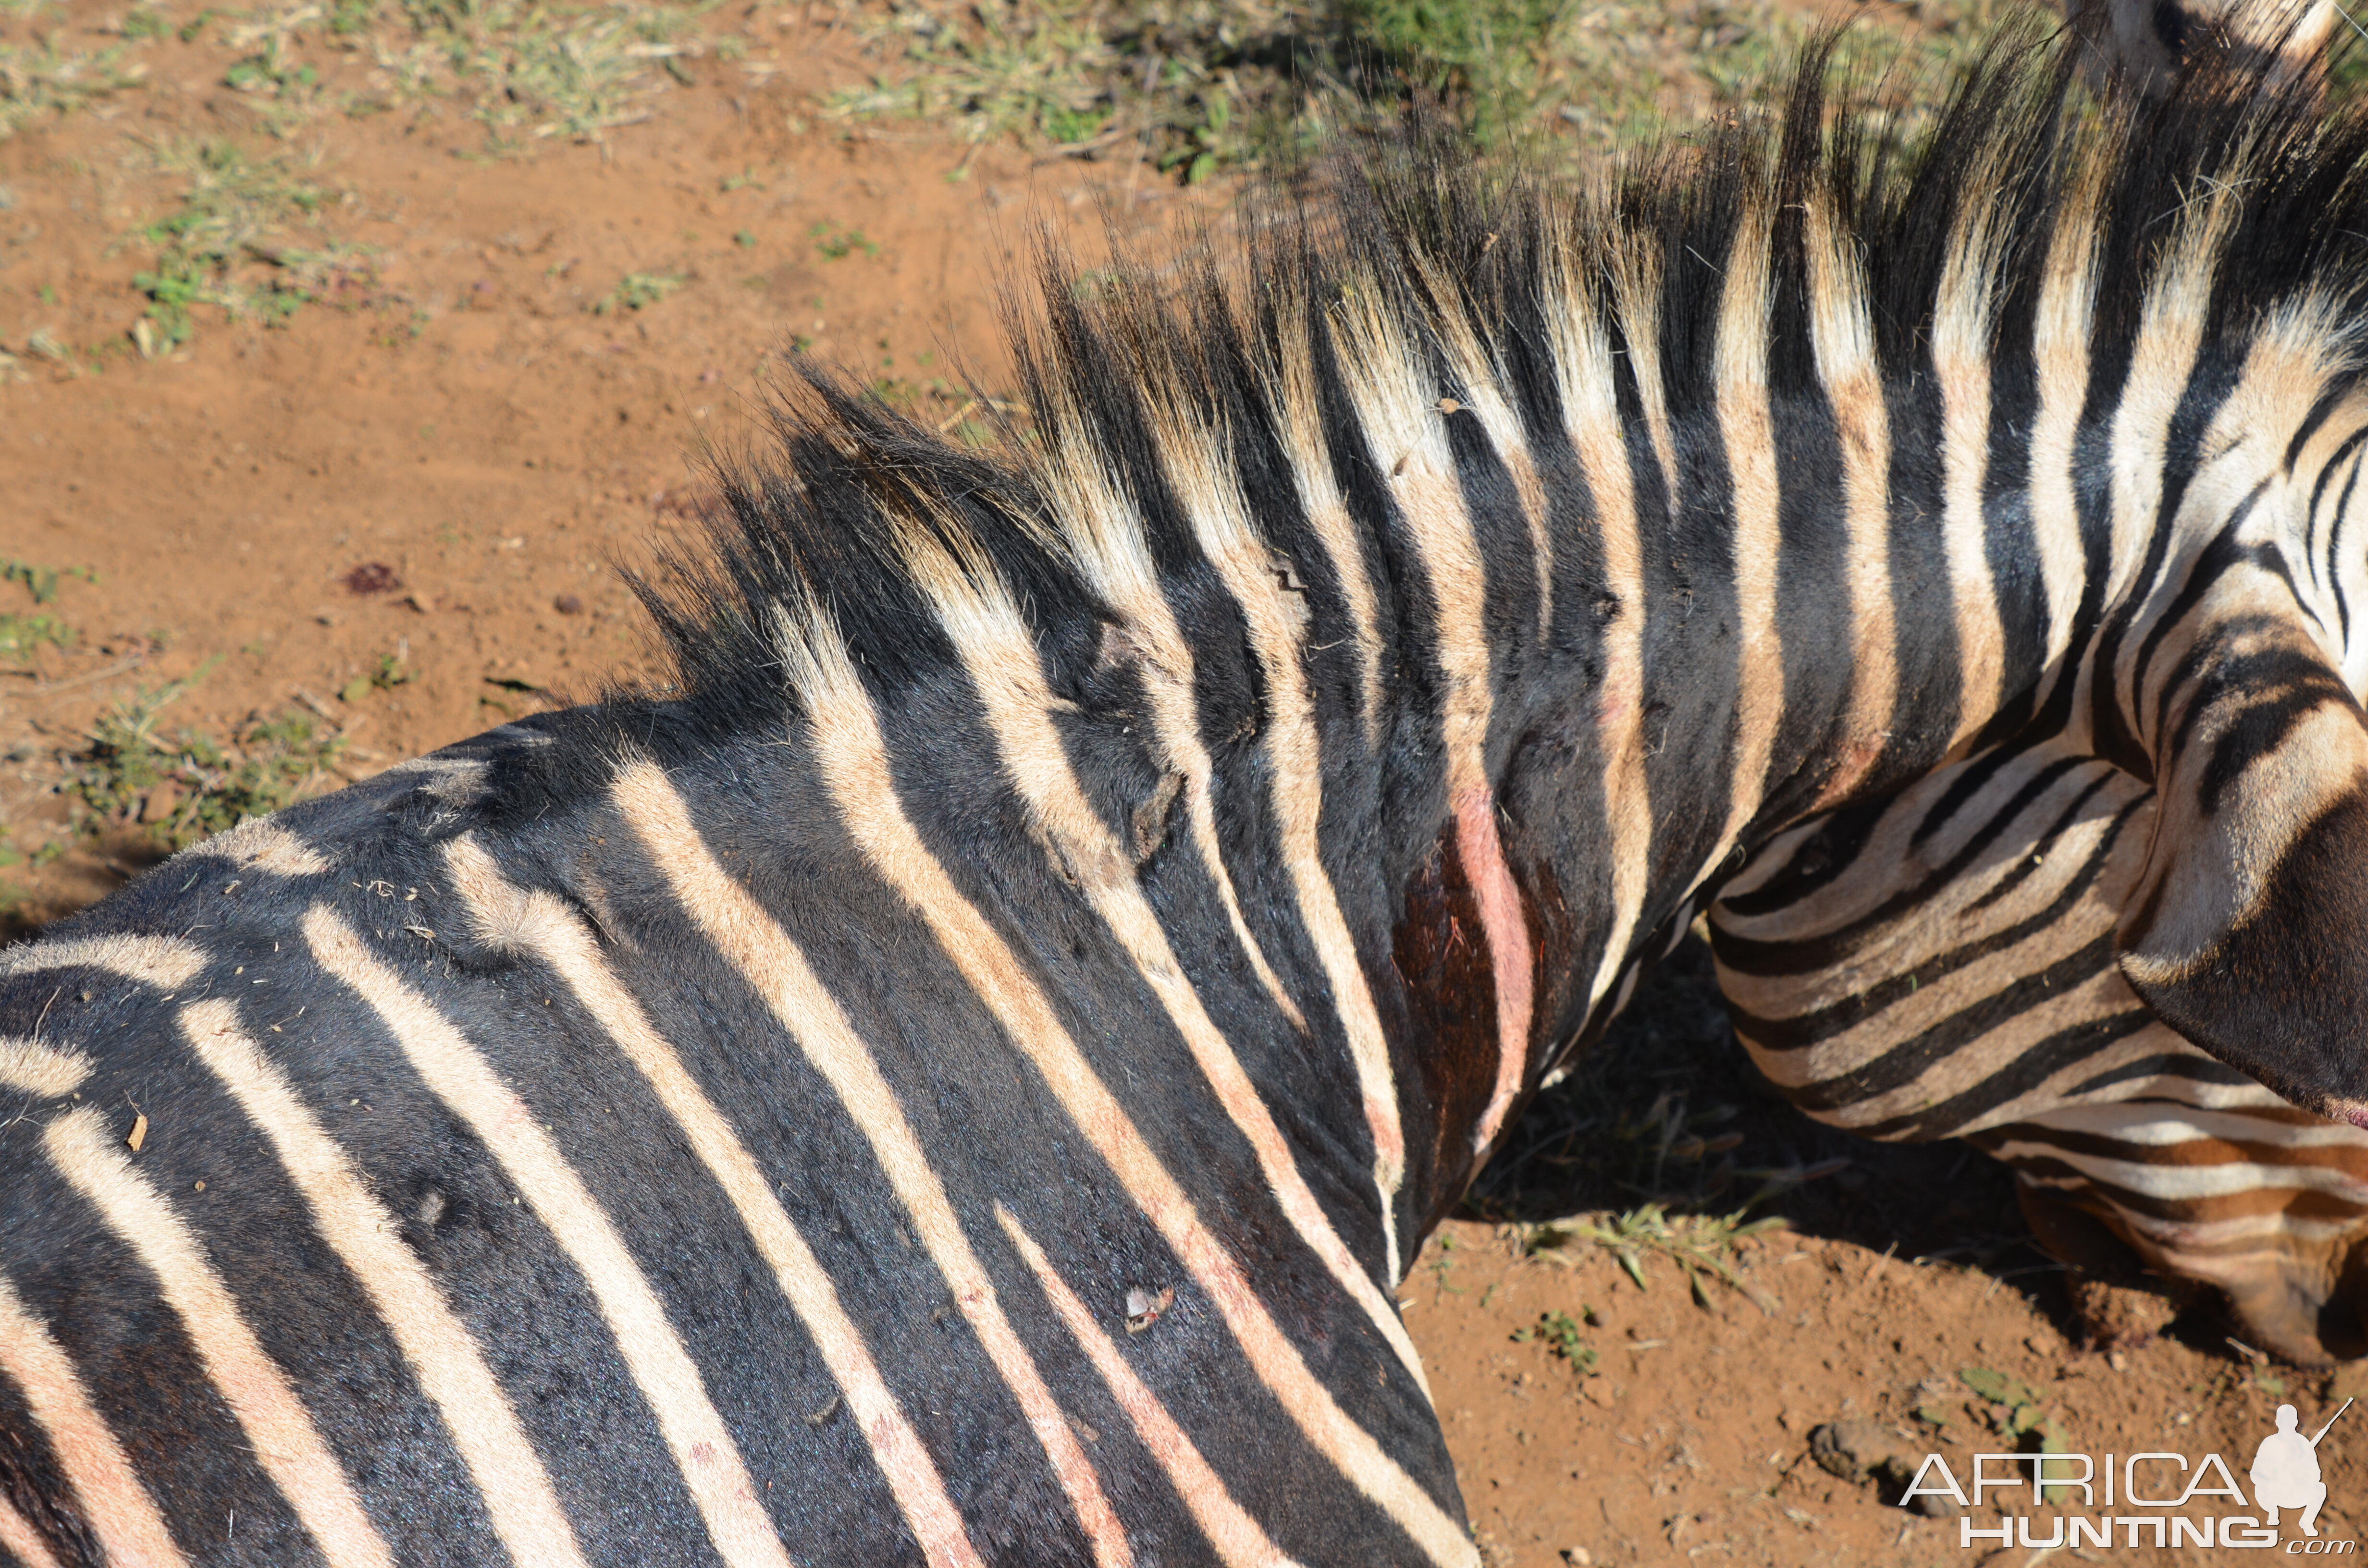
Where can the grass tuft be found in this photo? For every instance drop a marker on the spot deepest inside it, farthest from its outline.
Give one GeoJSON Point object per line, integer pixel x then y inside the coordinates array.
{"type": "Point", "coordinates": [1701, 1245]}
{"type": "Point", "coordinates": [185, 787]}
{"type": "Point", "coordinates": [543, 69]}
{"type": "Point", "coordinates": [1203, 85]}
{"type": "Point", "coordinates": [225, 244]}
{"type": "Point", "coordinates": [637, 291]}
{"type": "Point", "coordinates": [40, 78]}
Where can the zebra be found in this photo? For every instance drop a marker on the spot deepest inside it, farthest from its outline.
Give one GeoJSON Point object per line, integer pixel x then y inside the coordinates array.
{"type": "Point", "coordinates": [1945, 967]}
{"type": "Point", "coordinates": [957, 1075]}
{"type": "Point", "coordinates": [2144, 45]}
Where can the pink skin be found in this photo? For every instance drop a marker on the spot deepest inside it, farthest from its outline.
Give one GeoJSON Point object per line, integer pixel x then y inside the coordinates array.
{"type": "Point", "coordinates": [1500, 898]}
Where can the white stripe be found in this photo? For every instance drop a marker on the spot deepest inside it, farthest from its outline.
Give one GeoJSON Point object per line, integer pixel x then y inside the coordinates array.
{"type": "Point", "coordinates": [536, 922]}
{"type": "Point", "coordinates": [287, 1445]}
{"type": "Point", "coordinates": [452, 1371]}
{"type": "Point", "coordinates": [2061, 329]}
{"type": "Point", "coordinates": [753, 943]}
{"type": "Point", "coordinates": [1590, 411]}
{"type": "Point", "coordinates": [263, 845]}
{"type": "Point", "coordinates": [702, 1444]}
{"type": "Point", "coordinates": [119, 1508]}
{"type": "Point", "coordinates": [1407, 440]}
{"type": "Point", "coordinates": [1106, 543]}
{"type": "Point", "coordinates": [2162, 357]}
{"type": "Point", "coordinates": [32, 1068]}
{"type": "Point", "coordinates": [1238, 1539]}
{"type": "Point", "coordinates": [1747, 440]}
{"type": "Point", "coordinates": [1200, 473]}
{"type": "Point", "coordinates": [1841, 335]}
{"type": "Point", "coordinates": [167, 962]}
{"type": "Point", "coordinates": [996, 649]}
{"type": "Point", "coordinates": [21, 1540]}
{"type": "Point", "coordinates": [2172, 1183]}
{"type": "Point", "coordinates": [1962, 324]}
{"type": "Point", "coordinates": [1295, 403]}
{"type": "Point", "coordinates": [857, 767]}
{"type": "Point", "coordinates": [2147, 1126]}
{"type": "Point", "coordinates": [1477, 375]}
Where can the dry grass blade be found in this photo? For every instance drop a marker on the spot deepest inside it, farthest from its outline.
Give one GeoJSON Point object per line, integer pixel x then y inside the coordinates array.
{"type": "Point", "coordinates": [1697, 1244]}
{"type": "Point", "coordinates": [42, 78]}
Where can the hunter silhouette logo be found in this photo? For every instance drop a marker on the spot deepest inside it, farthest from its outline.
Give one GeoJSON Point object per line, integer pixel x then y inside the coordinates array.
{"type": "Point", "coordinates": [2285, 1470]}
{"type": "Point", "coordinates": [2154, 1499]}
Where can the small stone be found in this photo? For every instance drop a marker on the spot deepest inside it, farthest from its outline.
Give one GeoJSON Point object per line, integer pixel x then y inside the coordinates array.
{"type": "Point", "coordinates": [1578, 1557]}
{"type": "Point", "coordinates": [1864, 1451]}
{"type": "Point", "coordinates": [161, 804]}
{"type": "Point", "coordinates": [1851, 1449]}
{"type": "Point", "coordinates": [568, 604]}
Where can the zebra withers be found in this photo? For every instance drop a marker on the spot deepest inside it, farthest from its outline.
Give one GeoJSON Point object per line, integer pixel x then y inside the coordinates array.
{"type": "Point", "coordinates": [958, 1081]}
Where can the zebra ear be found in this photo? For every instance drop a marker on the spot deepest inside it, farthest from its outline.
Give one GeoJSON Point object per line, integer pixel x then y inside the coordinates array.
{"type": "Point", "coordinates": [2248, 934]}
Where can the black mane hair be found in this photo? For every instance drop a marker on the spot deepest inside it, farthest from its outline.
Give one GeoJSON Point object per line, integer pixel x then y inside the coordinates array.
{"type": "Point", "coordinates": [1432, 232]}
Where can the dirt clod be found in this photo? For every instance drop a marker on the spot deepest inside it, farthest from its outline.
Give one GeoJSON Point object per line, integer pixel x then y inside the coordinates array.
{"type": "Point", "coordinates": [1863, 1452]}
{"type": "Point", "coordinates": [568, 604]}
{"type": "Point", "coordinates": [372, 577]}
{"type": "Point", "coordinates": [1854, 1450]}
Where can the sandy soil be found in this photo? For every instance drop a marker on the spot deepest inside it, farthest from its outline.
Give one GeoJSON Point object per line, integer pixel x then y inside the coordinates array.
{"type": "Point", "coordinates": [457, 416]}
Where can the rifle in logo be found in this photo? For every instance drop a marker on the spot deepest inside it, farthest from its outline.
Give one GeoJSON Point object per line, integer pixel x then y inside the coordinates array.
{"type": "Point", "coordinates": [2285, 1470]}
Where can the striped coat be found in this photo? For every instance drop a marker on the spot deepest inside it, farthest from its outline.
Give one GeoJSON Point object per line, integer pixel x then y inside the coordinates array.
{"type": "Point", "coordinates": [1946, 967]}
{"type": "Point", "coordinates": [958, 1080]}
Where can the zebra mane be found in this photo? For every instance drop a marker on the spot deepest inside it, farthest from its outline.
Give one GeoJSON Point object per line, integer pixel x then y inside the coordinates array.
{"type": "Point", "coordinates": [1260, 379]}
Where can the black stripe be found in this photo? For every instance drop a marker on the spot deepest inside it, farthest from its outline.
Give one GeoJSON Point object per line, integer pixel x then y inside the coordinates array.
{"type": "Point", "coordinates": [1905, 1063]}
{"type": "Point", "coordinates": [1755, 956]}
{"type": "Point", "coordinates": [2032, 1068]}
{"type": "Point", "coordinates": [2194, 1069]}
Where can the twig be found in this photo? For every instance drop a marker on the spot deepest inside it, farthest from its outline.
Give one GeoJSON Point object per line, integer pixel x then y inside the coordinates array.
{"type": "Point", "coordinates": [129, 660]}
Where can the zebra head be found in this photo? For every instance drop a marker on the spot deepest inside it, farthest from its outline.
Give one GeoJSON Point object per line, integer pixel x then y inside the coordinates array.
{"type": "Point", "coordinates": [2235, 685]}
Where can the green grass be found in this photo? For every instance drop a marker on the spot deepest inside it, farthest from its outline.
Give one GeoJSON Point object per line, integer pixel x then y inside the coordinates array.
{"type": "Point", "coordinates": [228, 243]}
{"type": "Point", "coordinates": [836, 244]}
{"type": "Point", "coordinates": [1203, 85]}
{"type": "Point", "coordinates": [181, 787]}
{"type": "Point", "coordinates": [1559, 1332]}
{"type": "Point", "coordinates": [25, 634]}
{"type": "Point", "coordinates": [43, 582]}
{"type": "Point", "coordinates": [21, 635]}
{"type": "Point", "coordinates": [393, 670]}
{"type": "Point", "coordinates": [2017, 1413]}
{"type": "Point", "coordinates": [1700, 1246]}
{"type": "Point", "coordinates": [532, 69]}
{"type": "Point", "coordinates": [638, 291]}
{"type": "Point", "coordinates": [42, 78]}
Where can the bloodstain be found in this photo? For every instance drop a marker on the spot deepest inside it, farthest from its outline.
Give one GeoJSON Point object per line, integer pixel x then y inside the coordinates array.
{"type": "Point", "coordinates": [1554, 939]}
{"type": "Point", "coordinates": [372, 577]}
{"type": "Point", "coordinates": [1451, 995]}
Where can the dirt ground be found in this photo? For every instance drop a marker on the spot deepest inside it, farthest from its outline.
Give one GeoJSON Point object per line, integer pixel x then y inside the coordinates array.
{"type": "Point", "coordinates": [430, 472]}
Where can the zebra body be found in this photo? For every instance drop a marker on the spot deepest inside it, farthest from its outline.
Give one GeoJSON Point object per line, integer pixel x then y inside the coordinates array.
{"type": "Point", "coordinates": [958, 1083]}
{"type": "Point", "coordinates": [1945, 967]}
